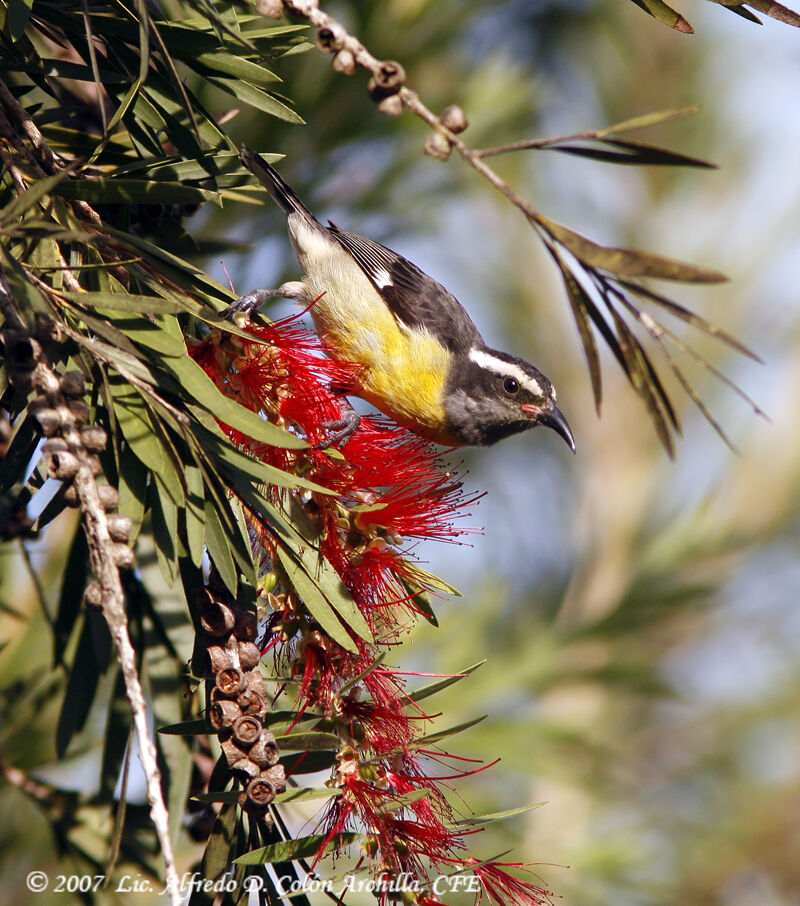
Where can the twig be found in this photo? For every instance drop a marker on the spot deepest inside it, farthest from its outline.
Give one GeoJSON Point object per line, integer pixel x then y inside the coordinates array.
{"type": "Point", "coordinates": [311, 11]}
{"type": "Point", "coordinates": [101, 555]}
{"type": "Point", "coordinates": [112, 599]}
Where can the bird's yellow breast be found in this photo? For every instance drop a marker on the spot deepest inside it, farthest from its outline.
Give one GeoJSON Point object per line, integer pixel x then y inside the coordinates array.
{"type": "Point", "coordinates": [405, 369]}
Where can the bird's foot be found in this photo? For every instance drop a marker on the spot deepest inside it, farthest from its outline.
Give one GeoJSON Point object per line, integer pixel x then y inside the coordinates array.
{"type": "Point", "coordinates": [250, 302]}
{"type": "Point", "coordinates": [339, 431]}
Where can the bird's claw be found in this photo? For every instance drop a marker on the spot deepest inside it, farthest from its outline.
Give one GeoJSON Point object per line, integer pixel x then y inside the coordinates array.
{"type": "Point", "coordinates": [339, 431]}
{"type": "Point", "coordinates": [249, 302]}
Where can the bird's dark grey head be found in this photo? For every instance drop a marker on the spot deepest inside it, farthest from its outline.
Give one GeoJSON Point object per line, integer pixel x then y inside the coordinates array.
{"type": "Point", "coordinates": [491, 395]}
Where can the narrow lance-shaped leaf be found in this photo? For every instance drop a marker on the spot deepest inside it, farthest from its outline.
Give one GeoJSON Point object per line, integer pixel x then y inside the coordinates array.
{"type": "Point", "coordinates": [625, 262]}
{"type": "Point", "coordinates": [301, 848]}
{"type": "Point", "coordinates": [580, 303]}
{"type": "Point", "coordinates": [666, 14]}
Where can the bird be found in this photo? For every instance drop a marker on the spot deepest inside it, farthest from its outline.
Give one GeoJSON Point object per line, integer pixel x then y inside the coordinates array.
{"type": "Point", "coordinates": [423, 361]}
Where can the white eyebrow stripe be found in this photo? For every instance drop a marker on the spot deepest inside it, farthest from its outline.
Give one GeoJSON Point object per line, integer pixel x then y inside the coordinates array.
{"type": "Point", "coordinates": [508, 369]}
{"type": "Point", "coordinates": [381, 278]}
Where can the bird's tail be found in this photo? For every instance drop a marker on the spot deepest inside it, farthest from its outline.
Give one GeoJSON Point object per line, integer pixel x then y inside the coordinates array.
{"type": "Point", "coordinates": [274, 183]}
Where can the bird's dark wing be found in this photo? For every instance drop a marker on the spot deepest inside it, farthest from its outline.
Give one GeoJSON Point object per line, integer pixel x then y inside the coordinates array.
{"type": "Point", "coordinates": [413, 297]}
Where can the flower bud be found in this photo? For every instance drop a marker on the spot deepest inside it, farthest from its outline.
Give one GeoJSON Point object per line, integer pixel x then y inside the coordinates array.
{"type": "Point", "coordinates": [219, 658]}
{"type": "Point", "coordinates": [49, 420]}
{"type": "Point", "coordinates": [230, 681]}
{"type": "Point", "coordinates": [259, 792]}
{"type": "Point", "coordinates": [54, 445]}
{"type": "Point", "coordinates": [437, 146]}
{"type": "Point", "coordinates": [246, 625]}
{"type": "Point", "coordinates": [93, 596]}
{"type": "Point", "coordinates": [391, 106]}
{"type": "Point", "coordinates": [271, 9]}
{"type": "Point", "coordinates": [344, 62]}
{"type": "Point", "coordinates": [454, 118]}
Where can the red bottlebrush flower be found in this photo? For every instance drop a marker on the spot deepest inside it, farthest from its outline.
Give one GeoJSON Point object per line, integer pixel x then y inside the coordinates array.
{"type": "Point", "coordinates": [505, 889]}
{"type": "Point", "coordinates": [388, 486]}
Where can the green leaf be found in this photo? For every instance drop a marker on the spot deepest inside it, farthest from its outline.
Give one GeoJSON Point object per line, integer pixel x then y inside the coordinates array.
{"type": "Point", "coordinates": [124, 302]}
{"type": "Point", "coordinates": [140, 432]}
{"type": "Point", "coordinates": [38, 190]}
{"type": "Point", "coordinates": [657, 117]}
{"type": "Point", "coordinates": [295, 795]}
{"type": "Point", "coordinates": [634, 153]}
{"type": "Point", "coordinates": [19, 12]}
{"type": "Point", "coordinates": [307, 762]}
{"type": "Point", "coordinates": [625, 262]}
{"type": "Point", "coordinates": [187, 728]}
{"type": "Point", "coordinates": [219, 548]}
{"type": "Point", "coordinates": [193, 379]}
{"type": "Point", "coordinates": [91, 661]}
{"type": "Point", "coordinates": [315, 601]}
{"type": "Point", "coordinates": [450, 731]}
{"type": "Point", "coordinates": [666, 14]}
{"type": "Point", "coordinates": [153, 335]}
{"type": "Point", "coordinates": [257, 98]}
{"type": "Point", "coordinates": [769, 8]}
{"type": "Point", "coordinates": [236, 67]}
{"type": "Point", "coordinates": [309, 742]}
{"type": "Point", "coordinates": [194, 517]}
{"type": "Point", "coordinates": [480, 820]}
{"type": "Point", "coordinates": [580, 303]}
{"type": "Point", "coordinates": [691, 318]}
{"type": "Point", "coordinates": [302, 848]}
{"type": "Point", "coordinates": [128, 191]}
{"type": "Point", "coordinates": [132, 487]}
{"type": "Point", "coordinates": [216, 857]}
{"type": "Point", "coordinates": [432, 688]}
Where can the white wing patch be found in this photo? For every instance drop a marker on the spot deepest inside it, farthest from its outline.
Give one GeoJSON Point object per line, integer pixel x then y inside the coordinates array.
{"type": "Point", "coordinates": [506, 369]}
{"type": "Point", "coordinates": [381, 278]}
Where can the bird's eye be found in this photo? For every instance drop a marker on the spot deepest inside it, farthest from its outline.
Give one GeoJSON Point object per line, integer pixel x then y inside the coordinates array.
{"type": "Point", "coordinates": [510, 385]}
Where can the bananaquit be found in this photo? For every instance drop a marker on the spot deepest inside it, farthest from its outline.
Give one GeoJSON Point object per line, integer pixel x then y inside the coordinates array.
{"type": "Point", "coordinates": [424, 362]}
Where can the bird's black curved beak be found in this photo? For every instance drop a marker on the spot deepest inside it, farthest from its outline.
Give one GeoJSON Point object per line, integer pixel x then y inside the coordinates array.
{"type": "Point", "coordinates": [554, 419]}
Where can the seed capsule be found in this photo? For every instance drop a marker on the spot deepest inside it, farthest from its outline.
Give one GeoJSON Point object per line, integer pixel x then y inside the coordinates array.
{"type": "Point", "coordinates": [94, 438]}
{"type": "Point", "coordinates": [388, 80]}
{"type": "Point", "coordinates": [119, 527]}
{"type": "Point", "coordinates": [73, 384]}
{"type": "Point", "coordinates": [265, 751]}
{"type": "Point", "coordinates": [223, 713]}
{"type": "Point", "coordinates": [64, 465]}
{"type": "Point", "coordinates": [109, 497]}
{"type": "Point", "coordinates": [246, 730]}
{"type": "Point", "coordinates": [79, 410]}
{"type": "Point", "coordinates": [122, 555]}
{"type": "Point", "coordinates": [218, 619]}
